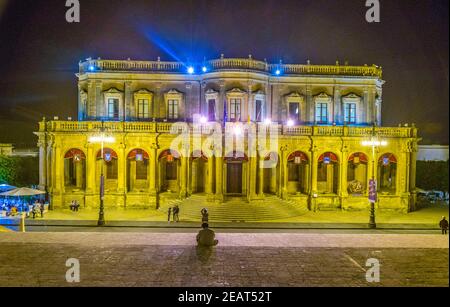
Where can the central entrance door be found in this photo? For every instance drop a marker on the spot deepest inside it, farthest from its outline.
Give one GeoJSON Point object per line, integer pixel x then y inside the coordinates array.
{"type": "Point", "coordinates": [234, 178]}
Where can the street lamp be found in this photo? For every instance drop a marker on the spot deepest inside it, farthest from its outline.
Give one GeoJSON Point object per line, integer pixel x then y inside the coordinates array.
{"type": "Point", "coordinates": [101, 138]}
{"type": "Point", "coordinates": [373, 142]}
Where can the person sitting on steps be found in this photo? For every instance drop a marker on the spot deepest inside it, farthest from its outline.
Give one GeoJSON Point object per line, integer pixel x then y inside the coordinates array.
{"type": "Point", "coordinates": [206, 236]}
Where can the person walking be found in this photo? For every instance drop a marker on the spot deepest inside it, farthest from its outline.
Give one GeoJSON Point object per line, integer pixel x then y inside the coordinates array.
{"type": "Point", "coordinates": [176, 210]}
{"type": "Point", "coordinates": [444, 225]}
{"type": "Point", "coordinates": [169, 213]}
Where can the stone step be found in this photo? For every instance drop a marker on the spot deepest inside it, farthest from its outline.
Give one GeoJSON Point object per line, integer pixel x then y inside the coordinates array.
{"type": "Point", "coordinates": [235, 209]}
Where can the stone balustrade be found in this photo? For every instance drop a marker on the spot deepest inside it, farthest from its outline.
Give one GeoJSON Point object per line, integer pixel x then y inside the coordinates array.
{"type": "Point", "coordinates": [207, 128]}
{"type": "Point", "coordinates": [246, 64]}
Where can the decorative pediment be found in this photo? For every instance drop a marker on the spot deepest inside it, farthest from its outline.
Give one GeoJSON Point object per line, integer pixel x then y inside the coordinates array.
{"type": "Point", "coordinates": [211, 91]}
{"type": "Point", "coordinates": [235, 91]}
{"type": "Point", "coordinates": [259, 92]}
{"type": "Point", "coordinates": [112, 90]}
{"type": "Point", "coordinates": [351, 97]}
{"type": "Point", "coordinates": [323, 97]}
{"type": "Point", "coordinates": [211, 94]}
{"type": "Point", "coordinates": [174, 92]}
{"type": "Point", "coordinates": [293, 94]}
{"type": "Point", "coordinates": [143, 91]}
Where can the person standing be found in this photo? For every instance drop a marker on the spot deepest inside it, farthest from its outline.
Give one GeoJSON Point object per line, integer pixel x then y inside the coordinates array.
{"type": "Point", "coordinates": [41, 208]}
{"type": "Point", "coordinates": [176, 210]}
{"type": "Point", "coordinates": [205, 215]}
{"type": "Point", "coordinates": [444, 225]}
{"type": "Point", "coordinates": [33, 211]}
{"type": "Point", "coordinates": [169, 213]}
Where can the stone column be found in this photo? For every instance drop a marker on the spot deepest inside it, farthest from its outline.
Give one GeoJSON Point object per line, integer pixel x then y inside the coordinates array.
{"type": "Point", "coordinates": [90, 169]}
{"type": "Point", "coordinates": [186, 107]}
{"type": "Point", "coordinates": [219, 174]}
{"type": "Point", "coordinates": [366, 107]}
{"type": "Point", "coordinates": [129, 111]}
{"type": "Point", "coordinates": [59, 167]}
{"type": "Point", "coordinates": [210, 182]}
{"type": "Point", "coordinates": [121, 173]}
{"type": "Point", "coordinates": [183, 173]}
{"type": "Point", "coordinates": [284, 172]}
{"type": "Point", "coordinates": [309, 106]}
{"type": "Point", "coordinates": [79, 174]}
{"type": "Point", "coordinates": [99, 100]}
{"type": "Point", "coordinates": [222, 101]}
{"type": "Point", "coordinates": [314, 166]}
{"type": "Point", "coordinates": [337, 116]}
{"type": "Point", "coordinates": [343, 165]}
{"type": "Point", "coordinates": [42, 163]}
{"type": "Point", "coordinates": [153, 161]}
{"type": "Point", "coordinates": [132, 172]}
{"type": "Point", "coordinates": [261, 175]}
{"type": "Point", "coordinates": [252, 176]}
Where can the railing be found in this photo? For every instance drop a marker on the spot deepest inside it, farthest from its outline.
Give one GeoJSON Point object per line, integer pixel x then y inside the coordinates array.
{"type": "Point", "coordinates": [207, 128]}
{"type": "Point", "coordinates": [246, 64]}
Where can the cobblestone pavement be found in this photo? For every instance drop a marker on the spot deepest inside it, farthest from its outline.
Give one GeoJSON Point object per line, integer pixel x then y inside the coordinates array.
{"type": "Point", "coordinates": [240, 259]}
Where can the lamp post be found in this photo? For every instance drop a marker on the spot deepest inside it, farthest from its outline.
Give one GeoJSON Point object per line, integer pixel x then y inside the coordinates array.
{"type": "Point", "coordinates": [101, 138]}
{"type": "Point", "coordinates": [374, 142]}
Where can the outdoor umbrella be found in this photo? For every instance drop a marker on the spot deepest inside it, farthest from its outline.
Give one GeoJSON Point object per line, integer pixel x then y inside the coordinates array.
{"type": "Point", "coordinates": [22, 192]}
{"type": "Point", "coordinates": [6, 187]}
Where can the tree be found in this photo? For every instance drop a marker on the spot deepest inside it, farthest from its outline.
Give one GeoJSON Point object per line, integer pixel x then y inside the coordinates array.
{"type": "Point", "coordinates": [19, 171]}
{"type": "Point", "coordinates": [432, 175]}
{"type": "Point", "coordinates": [7, 170]}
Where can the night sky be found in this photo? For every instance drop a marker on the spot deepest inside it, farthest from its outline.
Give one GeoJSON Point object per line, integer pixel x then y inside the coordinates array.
{"type": "Point", "coordinates": [40, 51]}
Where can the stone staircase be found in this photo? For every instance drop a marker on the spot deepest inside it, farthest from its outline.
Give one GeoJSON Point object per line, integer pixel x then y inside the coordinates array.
{"type": "Point", "coordinates": [271, 208]}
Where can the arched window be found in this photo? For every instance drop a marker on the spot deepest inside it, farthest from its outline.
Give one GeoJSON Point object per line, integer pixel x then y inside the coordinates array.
{"type": "Point", "coordinates": [387, 173]}
{"type": "Point", "coordinates": [327, 173]}
{"type": "Point", "coordinates": [169, 161]}
{"type": "Point", "coordinates": [75, 168]}
{"type": "Point", "coordinates": [298, 169]}
{"type": "Point", "coordinates": [137, 166]}
{"type": "Point", "coordinates": [357, 173]}
{"type": "Point", "coordinates": [110, 160]}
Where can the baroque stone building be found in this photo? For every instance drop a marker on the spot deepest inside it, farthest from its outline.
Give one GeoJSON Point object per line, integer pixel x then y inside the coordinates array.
{"type": "Point", "coordinates": [315, 117]}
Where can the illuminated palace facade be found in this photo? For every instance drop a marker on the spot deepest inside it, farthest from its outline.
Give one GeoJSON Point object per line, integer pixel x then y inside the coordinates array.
{"type": "Point", "coordinates": [319, 117]}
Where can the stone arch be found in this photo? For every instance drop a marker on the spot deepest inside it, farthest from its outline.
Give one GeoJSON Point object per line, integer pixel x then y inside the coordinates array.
{"type": "Point", "coordinates": [137, 170]}
{"type": "Point", "coordinates": [298, 167]}
{"type": "Point", "coordinates": [75, 169]}
{"type": "Point", "coordinates": [328, 173]}
{"type": "Point", "coordinates": [387, 173]}
{"type": "Point", "coordinates": [357, 173]}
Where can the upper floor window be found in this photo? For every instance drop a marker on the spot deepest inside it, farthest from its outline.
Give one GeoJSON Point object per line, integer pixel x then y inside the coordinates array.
{"type": "Point", "coordinates": [172, 105]}
{"type": "Point", "coordinates": [235, 109]}
{"type": "Point", "coordinates": [294, 111]}
{"type": "Point", "coordinates": [211, 110]}
{"type": "Point", "coordinates": [321, 112]}
{"type": "Point", "coordinates": [113, 108]}
{"type": "Point", "coordinates": [350, 113]}
{"type": "Point", "coordinates": [143, 108]}
{"type": "Point", "coordinates": [258, 110]}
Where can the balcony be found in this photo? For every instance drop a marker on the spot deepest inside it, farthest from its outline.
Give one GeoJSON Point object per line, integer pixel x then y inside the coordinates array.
{"type": "Point", "coordinates": [207, 128]}
{"type": "Point", "coordinates": [241, 64]}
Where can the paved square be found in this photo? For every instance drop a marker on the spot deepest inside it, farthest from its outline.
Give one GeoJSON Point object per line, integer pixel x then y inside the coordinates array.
{"type": "Point", "coordinates": [241, 259]}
